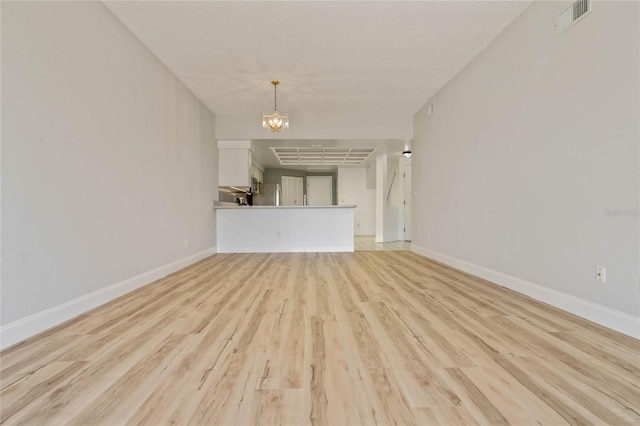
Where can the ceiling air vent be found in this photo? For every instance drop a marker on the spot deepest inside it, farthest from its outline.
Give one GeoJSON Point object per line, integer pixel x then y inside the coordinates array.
{"type": "Point", "coordinates": [571, 15]}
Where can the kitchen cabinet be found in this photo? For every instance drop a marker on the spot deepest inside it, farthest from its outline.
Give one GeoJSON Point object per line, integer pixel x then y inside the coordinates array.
{"type": "Point", "coordinates": [234, 163]}
{"type": "Point", "coordinates": [257, 173]}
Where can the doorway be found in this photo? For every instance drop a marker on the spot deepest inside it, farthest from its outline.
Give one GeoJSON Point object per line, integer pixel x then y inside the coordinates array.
{"type": "Point", "coordinates": [292, 191]}
{"type": "Point", "coordinates": [319, 190]}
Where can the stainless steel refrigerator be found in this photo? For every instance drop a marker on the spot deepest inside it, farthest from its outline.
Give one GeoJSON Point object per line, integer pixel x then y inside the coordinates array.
{"type": "Point", "coordinates": [269, 195]}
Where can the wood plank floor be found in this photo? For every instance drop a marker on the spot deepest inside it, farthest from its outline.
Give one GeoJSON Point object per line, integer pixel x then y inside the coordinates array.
{"type": "Point", "coordinates": [323, 339]}
{"type": "Point", "coordinates": [368, 243]}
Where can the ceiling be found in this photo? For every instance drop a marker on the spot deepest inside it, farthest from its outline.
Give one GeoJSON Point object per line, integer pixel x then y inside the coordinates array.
{"type": "Point", "coordinates": [359, 60]}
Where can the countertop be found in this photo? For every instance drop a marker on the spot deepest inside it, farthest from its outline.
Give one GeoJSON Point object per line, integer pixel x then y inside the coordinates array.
{"type": "Point", "coordinates": [284, 207]}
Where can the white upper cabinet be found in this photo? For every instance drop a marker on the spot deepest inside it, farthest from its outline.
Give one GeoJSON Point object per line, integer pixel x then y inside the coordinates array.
{"type": "Point", "coordinates": [234, 163]}
{"type": "Point", "coordinates": [235, 166]}
{"type": "Point", "coordinates": [257, 173]}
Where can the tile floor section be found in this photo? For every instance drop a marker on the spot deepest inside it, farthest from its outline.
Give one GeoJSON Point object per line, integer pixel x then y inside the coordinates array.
{"type": "Point", "coordinates": [368, 243]}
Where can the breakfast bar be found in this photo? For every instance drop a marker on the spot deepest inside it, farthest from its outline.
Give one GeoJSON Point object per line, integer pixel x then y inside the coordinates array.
{"type": "Point", "coordinates": [259, 229]}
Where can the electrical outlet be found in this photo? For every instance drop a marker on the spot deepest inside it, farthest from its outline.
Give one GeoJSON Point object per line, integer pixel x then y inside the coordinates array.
{"type": "Point", "coordinates": [428, 236]}
{"type": "Point", "coordinates": [186, 243]}
{"type": "Point", "coordinates": [601, 276]}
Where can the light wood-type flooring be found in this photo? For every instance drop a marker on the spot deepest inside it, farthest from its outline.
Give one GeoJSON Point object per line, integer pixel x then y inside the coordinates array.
{"type": "Point", "coordinates": [375, 338]}
{"type": "Point", "coordinates": [368, 243]}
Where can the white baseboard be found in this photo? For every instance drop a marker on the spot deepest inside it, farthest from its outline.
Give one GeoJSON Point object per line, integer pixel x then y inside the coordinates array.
{"type": "Point", "coordinates": [33, 324]}
{"type": "Point", "coordinates": [610, 318]}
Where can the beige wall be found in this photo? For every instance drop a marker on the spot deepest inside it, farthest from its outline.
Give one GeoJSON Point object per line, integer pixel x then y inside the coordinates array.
{"type": "Point", "coordinates": [527, 150]}
{"type": "Point", "coordinates": [109, 162]}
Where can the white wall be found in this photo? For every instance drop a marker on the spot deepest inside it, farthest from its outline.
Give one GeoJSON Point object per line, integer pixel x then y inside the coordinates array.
{"type": "Point", "coordinates": [404, 180]}
{"type": "Point", "coordinates": [381, 185]}
{"type": "Point", "coordinates": [389, 212]}
{"type": "Point", "coordinates": [394, 196]}
{"type": "Point", "coordinates": [528, 147]}
{"type": "Point", "coordinates": [391, 184]}
{"type": "Point", "coordinates": [108, 162]}
{"type": "Point", "coordinates": [352, 189]}
{"type": "Point", "coordinates": [371, 176]}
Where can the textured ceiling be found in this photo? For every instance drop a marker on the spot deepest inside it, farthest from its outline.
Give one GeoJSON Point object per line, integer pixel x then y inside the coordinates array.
{"type": "Point", "coordinates": [327, 54]}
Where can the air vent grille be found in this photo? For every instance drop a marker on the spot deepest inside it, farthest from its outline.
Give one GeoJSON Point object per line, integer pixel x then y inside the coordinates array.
{"type": "Point", "coordinates": [571, 15]}
{"type": "Point", "coordinates": [431, 108]}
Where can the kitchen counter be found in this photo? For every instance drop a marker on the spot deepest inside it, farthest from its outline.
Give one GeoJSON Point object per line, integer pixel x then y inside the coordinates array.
{"type": "Point", "coordinates": [259, 229]}
{"type": "Point", "coordinates": [237, 206]}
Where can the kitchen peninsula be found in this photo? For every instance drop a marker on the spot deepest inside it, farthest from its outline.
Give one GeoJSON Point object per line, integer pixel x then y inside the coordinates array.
{"type": "Point", "coordinates": [258, 229]}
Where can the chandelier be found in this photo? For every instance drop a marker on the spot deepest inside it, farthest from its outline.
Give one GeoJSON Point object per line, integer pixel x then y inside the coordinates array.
{"type": "Point", "coordinates": [275, 122]}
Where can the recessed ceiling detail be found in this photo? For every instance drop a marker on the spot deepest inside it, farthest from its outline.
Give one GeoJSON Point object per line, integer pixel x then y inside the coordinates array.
{"type": "Point", "coordinates": [314, 156]}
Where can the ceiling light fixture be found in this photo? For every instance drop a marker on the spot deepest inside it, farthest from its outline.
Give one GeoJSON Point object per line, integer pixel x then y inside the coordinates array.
{"type": "Point", "coordinates": [275, 122]}
{"type": "Point", "coordinates": [406, 153]}
{"type": "Point", "coordinates": [320, 157]}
